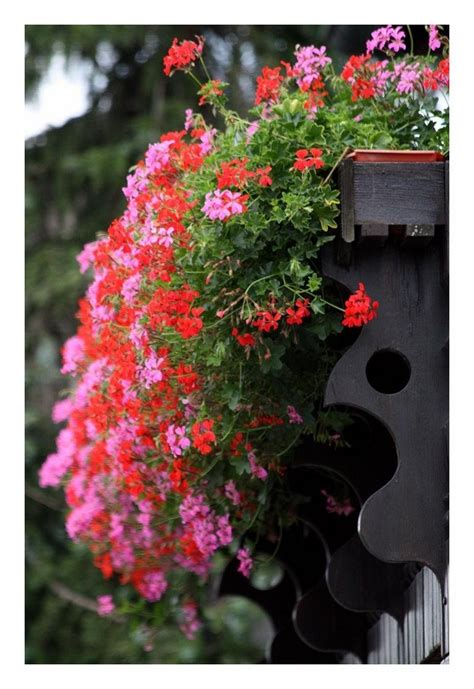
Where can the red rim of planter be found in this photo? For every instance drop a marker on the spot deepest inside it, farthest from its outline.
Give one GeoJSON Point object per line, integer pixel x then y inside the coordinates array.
{"type": "Point", "coordinates": [386, 156]}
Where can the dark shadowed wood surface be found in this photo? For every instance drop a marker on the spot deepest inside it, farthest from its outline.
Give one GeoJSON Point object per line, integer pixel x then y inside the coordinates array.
{"type": "Point", "coordinates": [394, 524]}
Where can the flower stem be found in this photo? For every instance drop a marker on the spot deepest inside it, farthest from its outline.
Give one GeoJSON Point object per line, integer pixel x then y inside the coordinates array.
{"type": "Point", "coordinates": [205, 68]}
{"type": "Point", "coordinates": [288, 447]}
{"type": "Point", "coordinates": [275, 551]}
{"type": "Point", "coordinates": [338, 308]}
{"type": "Point", "coordinates": [265, 277]}
{"type": "Point", "coordinates": [411, 40]}
{"type": "Point", "coordinates": [194, 78]}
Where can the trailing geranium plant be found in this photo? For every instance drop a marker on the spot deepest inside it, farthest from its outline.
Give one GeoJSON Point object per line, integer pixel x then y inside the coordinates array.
{"type": "Point", "coordinates": [202, 350]}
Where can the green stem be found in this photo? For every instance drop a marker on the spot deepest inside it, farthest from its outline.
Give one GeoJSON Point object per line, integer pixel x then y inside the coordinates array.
{"type": "Point", "coordinates": [165, 521]}
{"type": "Point", "coordinates": [411, 40]}
{"type": "Point", "coordinates": [220, 321]}
{"type": "Point", "coordinates": [260, 428]}
{"type": "Point", "coordinates": [257, 511]}
{"type": "Point", "coordinates": [283, 452]}
{"type": "Point", "coordinates": [194, 78]}
{"type": "Point", "coordinates": [330, 304]}
{"type": "Point", "coordinates": [280, 535]}
{"type": "Point", "coordinates": [210, 468]}
{"type": "Point", "coordinates": [205, 68]}
{"type": "Point", "coordinates": [224, 437]}
{"type": "Point", "coordinates": [265, 277]}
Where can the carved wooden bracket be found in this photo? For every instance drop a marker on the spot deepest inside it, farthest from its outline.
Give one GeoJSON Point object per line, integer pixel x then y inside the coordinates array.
{"type": "Point", "coordinates": [397, 370]}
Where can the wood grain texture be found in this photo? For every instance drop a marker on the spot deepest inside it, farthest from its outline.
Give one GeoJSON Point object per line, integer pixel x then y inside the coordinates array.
{"type": "Point", "coordinates": [385, 642]}
{"type": "Point", "coordinates": [419, 635]}
{"type": "Point", "coordinates": [398, 193]}
{"type": "Point", "coordinates": [346, 185]}
{"type": "Point", "coordinates": [445, 643]}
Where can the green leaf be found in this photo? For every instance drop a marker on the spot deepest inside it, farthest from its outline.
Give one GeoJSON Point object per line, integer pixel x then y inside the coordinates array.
{"type": "Point", "coordinates": [318, 306]}
{"type": "Point", "coordinates": [234, 400]}
{"type": "Point", "coordinates": [314, 283]}
{"type": "Point", "coordinates": [272, 356]}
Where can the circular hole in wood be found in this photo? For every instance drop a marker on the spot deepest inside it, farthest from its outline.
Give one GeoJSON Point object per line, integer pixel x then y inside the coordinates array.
{"type": "Point", "coordinates": [388, 371]}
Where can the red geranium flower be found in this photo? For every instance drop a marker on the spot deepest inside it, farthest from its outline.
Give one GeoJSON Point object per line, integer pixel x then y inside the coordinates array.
{"type": "Point", "coordinates": [268, 85]}
{"type": "Point", "coordinates": [180, 55]}
{"type": "Point", "coordinates": [245, 340]}
{"type": "Point", "coordinates": [267, 321]}
{"type": "Point", "coordinates": [306, 159]}
{"type": "Point", "coordinates": [296, 315]}
{"type": "Point", "coordinates": [233, 174]}
{"type": "Point", "coordinates": [264, 178]}
{"type": "Point", "coordinates": [354, 64]}
{"type": "Point", "coordinates": [203, 435]}
{"type": "Point", "coordinates": [360, 308]}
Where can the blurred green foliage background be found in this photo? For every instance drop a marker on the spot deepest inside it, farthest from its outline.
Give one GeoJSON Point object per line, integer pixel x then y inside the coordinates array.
{"type": "Point", "coordinates": [74, 176]}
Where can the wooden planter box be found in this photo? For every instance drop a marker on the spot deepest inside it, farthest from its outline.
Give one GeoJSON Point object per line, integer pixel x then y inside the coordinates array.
{"type": "Point", "coordinates": [377, 198]}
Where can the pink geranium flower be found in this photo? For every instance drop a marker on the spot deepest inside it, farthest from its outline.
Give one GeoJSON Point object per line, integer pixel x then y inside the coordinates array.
{"type": "Point", "coordinates": [333, 505]}
{"type": "Point", "coordinates": [256, 469]}
{"type": "Point", "coordinates": [223, 204]}
{"type": "Point", "coordinates": [293, 415]}
{"type": "Point", "coordinates": [246, 562]}
{"type": "Point", "coordinates": [105, 605]}
{"type": "Point", "coordinates": [433, 37]}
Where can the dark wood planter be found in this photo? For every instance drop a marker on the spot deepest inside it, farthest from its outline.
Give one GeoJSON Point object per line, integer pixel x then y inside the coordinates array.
{"type": "Point", "coordinates": [372, 587]}
{"type": "Point", "coordinates": [385, 194]}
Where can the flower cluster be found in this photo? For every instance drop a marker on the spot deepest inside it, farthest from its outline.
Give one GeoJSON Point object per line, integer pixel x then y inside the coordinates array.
{"type": "Point", "coordinates": [246, 562]}
{"type": "Point", "coordinates": [360, 308]}
{"type": "Point", "coordinates": [306, 159]}
{"type": "Point", "coordinates": [202, 347]}
{"type": "Point", "coordinates": [310, 61]}
{"type": "Point", "coordinates": [190, 623]}
{"type": "Point", "coordinates": [387, 38]}
{"type": "Point", "coordinates": [105, 605]}
{"type": "Point", "coordinates": [236, 174]}
{"type": "Point", "coordinates": [435, 79]}
{"type": "Point", "coordinates": [222, 205]}
{"type": "Point", "coordinates": [132, 422]}
{"type": "Point", "coordinates": [296, 314]}
{"type": "Point", "coordinates": [370, 78]}
{"type": "Point", "coordinates": [268, 85]}
{"type": "Point", "coordinates": [335, 506]}
{"type": "Point", "coordinates": [433, 39]}
{"type": "Point", "coordinates": [182, 55]}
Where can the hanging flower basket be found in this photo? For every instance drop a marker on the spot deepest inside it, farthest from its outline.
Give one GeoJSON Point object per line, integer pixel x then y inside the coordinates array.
{"type": "Point", "coordinates": [208, 333]}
